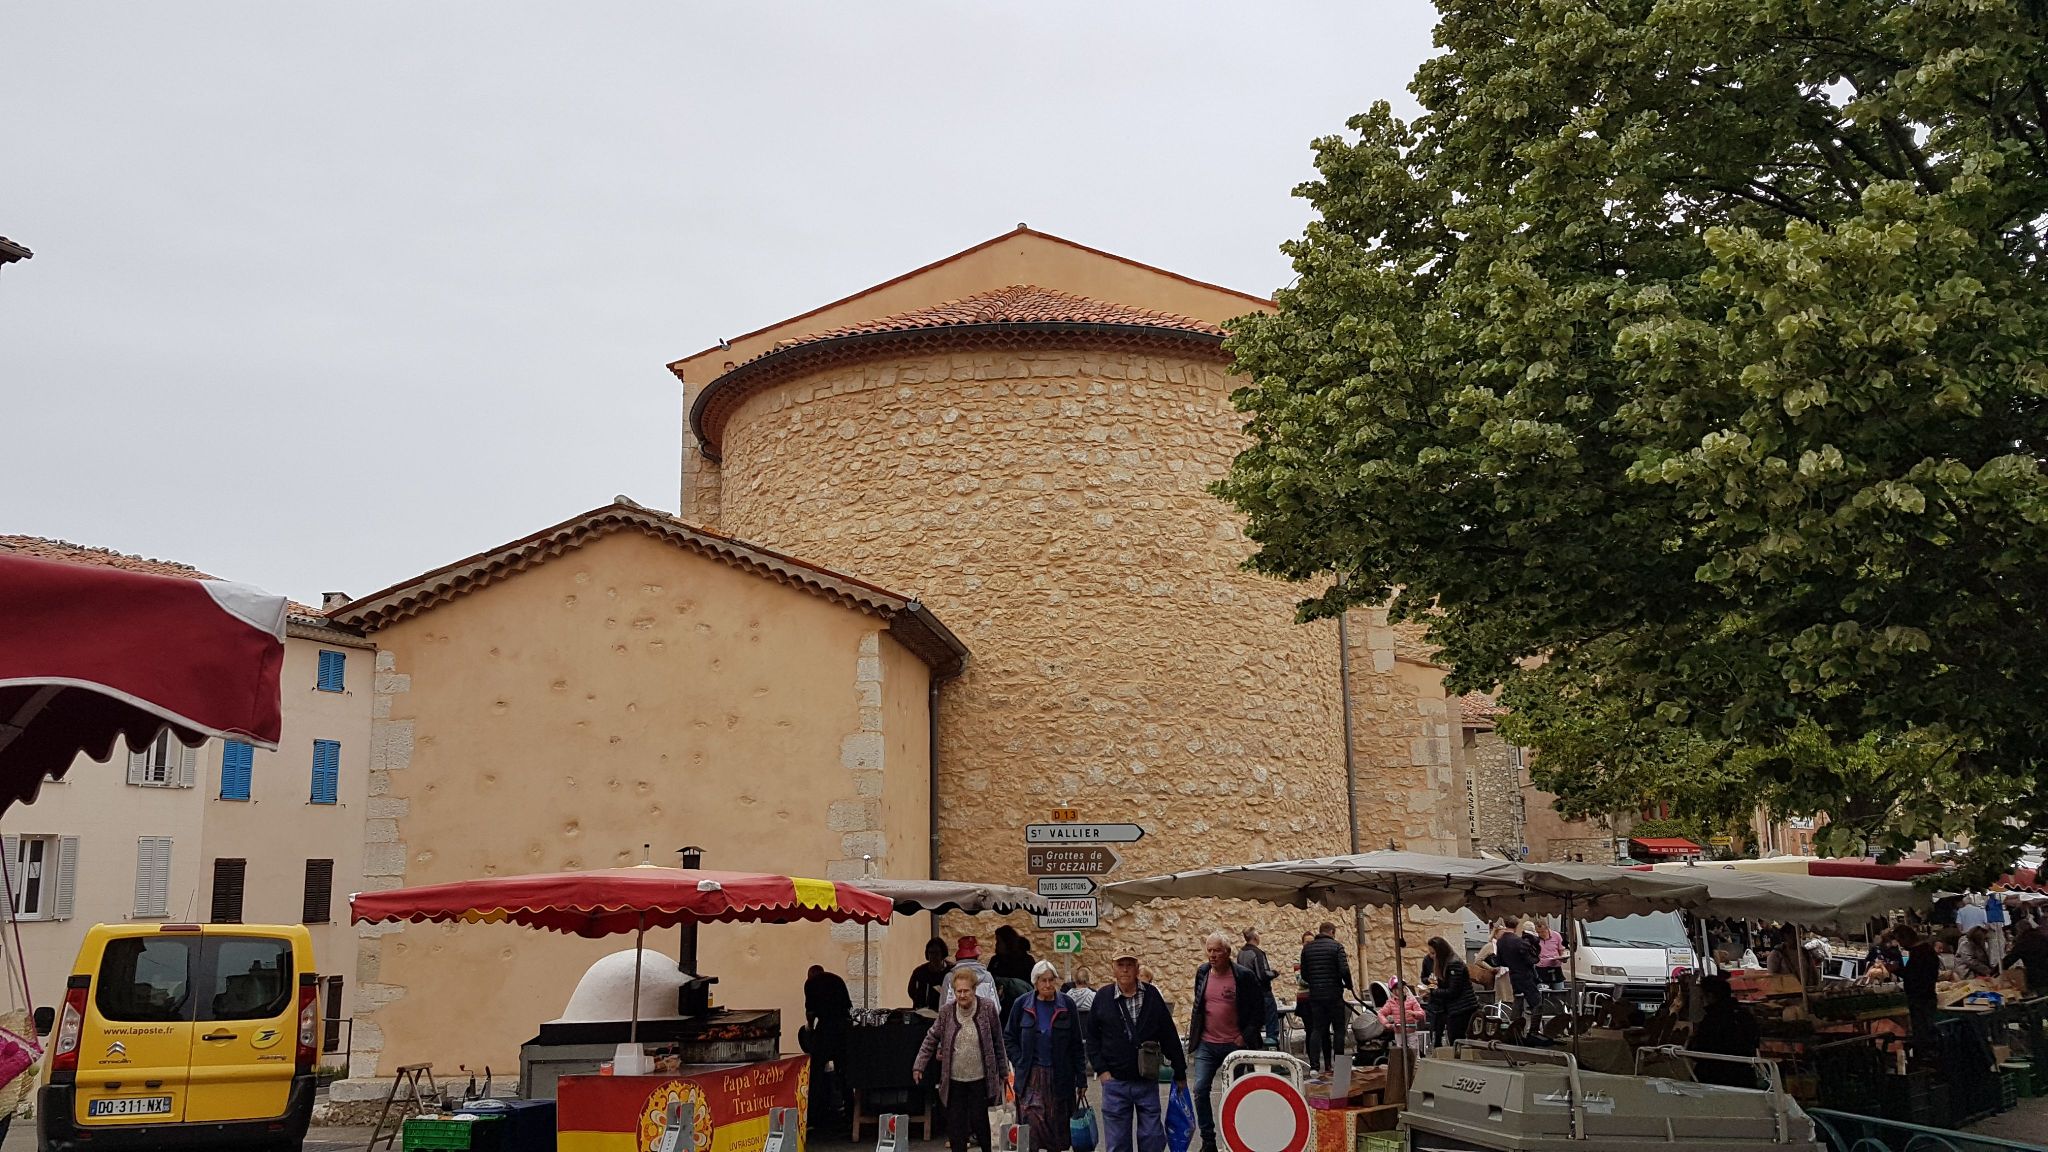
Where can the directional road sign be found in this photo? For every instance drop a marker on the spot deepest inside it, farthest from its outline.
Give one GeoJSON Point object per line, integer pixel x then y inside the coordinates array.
{"type": "Point", "coordinates": [1066, 886]}
{"type": "Point", "coordinates": [1093, 860]}
{"type": "Point", "coordinates": [1082, 833]}
{"type": "Point", "coordinates": [1066, 943]}
{"type": "Point", "coordinates": [1068, 912]}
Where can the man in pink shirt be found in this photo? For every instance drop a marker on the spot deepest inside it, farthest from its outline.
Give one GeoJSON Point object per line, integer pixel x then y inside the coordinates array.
{"type": "Point", "coordinates": [1228, 1014]}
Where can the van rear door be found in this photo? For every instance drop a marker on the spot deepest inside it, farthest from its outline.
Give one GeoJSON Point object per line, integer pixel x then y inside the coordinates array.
{"type": "Point", "coordinates": [245, 1038]}
{"type": "Point", "coordinates": [135, 1044]}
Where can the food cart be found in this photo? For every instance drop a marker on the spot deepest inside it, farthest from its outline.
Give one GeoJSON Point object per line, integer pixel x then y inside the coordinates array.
{"type": "Point", "coordinates": [721, 1063]}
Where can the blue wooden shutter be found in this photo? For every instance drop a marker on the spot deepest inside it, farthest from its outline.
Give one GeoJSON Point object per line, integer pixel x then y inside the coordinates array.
{"type": "Point", "coordinates": [333, 666]}
{"type": "Point", "coordinates": [237, 767]}
{"type": "Point", "coordinates": [326, 771]}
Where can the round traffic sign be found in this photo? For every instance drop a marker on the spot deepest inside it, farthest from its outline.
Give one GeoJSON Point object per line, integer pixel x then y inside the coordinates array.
{"type": "Point", "coordinates": [1263, 1113]}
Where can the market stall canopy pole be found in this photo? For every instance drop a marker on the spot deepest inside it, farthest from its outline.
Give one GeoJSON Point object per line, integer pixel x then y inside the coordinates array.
{"type": "Point", "coordinates": [92, 657]}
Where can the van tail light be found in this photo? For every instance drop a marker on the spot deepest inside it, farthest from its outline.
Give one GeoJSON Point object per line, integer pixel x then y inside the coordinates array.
{"type": "Point", "coordinates": [309, 1022]}
{"type": "Point", "coordinates": [70, 1024]}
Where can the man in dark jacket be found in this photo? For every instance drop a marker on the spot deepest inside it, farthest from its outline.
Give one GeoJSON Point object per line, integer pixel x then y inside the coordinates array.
{"type": "Point", "coordinates": [1227, 1016]}
{"type": "Point", "coordinates": [1326, 973]}
{"type": "Point", "coordinates": [1126, 1016]}
{"type": "Point", "coordinates": [1254, 957]}
{"type": "Point", "coordinates": [1923, 971]}
{"type": "Point", "coordinates": [1518, 953]}
{"type": "Point", "coordinates": [828, 1016]}
{"type": "Point", "coordinates": [2030, 952]}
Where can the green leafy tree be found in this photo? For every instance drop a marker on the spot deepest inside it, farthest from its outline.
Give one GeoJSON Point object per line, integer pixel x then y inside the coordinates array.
{"type": "Point", "coordinates": [1696, 347]}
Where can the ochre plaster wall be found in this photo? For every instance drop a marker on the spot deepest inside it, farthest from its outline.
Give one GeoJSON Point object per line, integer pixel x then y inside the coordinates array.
{"type": "Point", "coordinates": [625, 692]}
{"type": "Point", "coordinates": [1051, 507]}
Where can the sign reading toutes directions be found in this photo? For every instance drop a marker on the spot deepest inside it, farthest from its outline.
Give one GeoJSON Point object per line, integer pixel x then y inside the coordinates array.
{"type": "Point", "coordinates": [1066, 886]}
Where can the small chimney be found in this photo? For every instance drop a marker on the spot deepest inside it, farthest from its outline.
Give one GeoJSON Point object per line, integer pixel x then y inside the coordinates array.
{"type": "Point", "coordinates": [329, 601]}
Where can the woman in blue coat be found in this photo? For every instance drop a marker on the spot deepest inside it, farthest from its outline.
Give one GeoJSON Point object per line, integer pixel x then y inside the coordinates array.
{"type": "Point", "coordinates": [1044, 1035]}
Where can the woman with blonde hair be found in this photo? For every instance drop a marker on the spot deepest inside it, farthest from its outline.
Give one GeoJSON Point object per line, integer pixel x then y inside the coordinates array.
{"type": "Point", "coordinates": [972, 1063]}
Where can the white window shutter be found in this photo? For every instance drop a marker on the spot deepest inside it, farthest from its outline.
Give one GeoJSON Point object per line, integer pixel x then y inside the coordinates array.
{"type": "Point", "coordinates": [138, 767]}
{"type": "Point", "coordinates": [188, 760]}
{"type": "Point", "coordinates": [11, 845]}
{"type": "Point", "coordinates": [162, 893]}
{"type": "Point", "coordinates": [67, 873]}
{"type": "Point", "coordinates": [145, 856]}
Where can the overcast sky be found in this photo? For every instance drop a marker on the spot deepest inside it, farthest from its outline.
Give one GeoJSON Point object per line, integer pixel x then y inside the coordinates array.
{"type": "Point", "coordinates": [327, 296]}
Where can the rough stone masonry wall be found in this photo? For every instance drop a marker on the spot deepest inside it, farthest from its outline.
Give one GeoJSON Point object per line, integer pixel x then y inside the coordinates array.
{"type": "Point", "coordinates": [1497, 781]}
{"type": "Point", "coordinates": [1052, 508]}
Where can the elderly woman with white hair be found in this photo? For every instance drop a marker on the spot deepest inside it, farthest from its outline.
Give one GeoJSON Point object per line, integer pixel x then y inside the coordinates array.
{"type": "Point", "coordinates": [1044, 1036]}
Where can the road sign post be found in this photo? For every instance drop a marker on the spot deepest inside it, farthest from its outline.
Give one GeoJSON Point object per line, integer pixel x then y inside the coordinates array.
{"type": "Point", "coordinates": [1263, 1112]}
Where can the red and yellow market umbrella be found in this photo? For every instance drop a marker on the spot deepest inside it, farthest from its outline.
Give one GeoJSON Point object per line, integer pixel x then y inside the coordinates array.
{"type": "Point", "coordinates": [613, 901]}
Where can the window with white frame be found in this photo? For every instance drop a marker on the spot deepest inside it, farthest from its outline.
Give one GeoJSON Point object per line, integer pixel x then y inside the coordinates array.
{"type": "Point", "coordinates": [165, 763]}
{"type": "Point", "coordinates": [41, 871]}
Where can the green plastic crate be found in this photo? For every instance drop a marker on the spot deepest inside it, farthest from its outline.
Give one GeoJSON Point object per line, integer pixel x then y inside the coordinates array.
{"type": "Point", "coordinates": [1383, 1142]}
{"type": "Point", "coordinates": [2025, 1075]}
{"type": "Point", "coordinates": [423, 1132]}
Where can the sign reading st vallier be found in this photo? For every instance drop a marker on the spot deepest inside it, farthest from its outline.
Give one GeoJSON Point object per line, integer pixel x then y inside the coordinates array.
{"type": "Point", "coordinates": [1082, 833]}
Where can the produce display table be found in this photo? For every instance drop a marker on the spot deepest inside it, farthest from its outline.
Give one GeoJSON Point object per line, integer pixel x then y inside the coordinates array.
{"type": "Point", "coordinates": [627, 1113]}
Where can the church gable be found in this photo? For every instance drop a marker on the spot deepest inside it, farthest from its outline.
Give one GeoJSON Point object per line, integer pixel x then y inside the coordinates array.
{"type": "Point", "coordinates": [1022, 256]}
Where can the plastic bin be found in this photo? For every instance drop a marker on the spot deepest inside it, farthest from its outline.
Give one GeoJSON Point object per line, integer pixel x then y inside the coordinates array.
{"type": "Point", "coordinates": [528, 1125]}
{"type": "Point", "coordinates": [472, 1133]}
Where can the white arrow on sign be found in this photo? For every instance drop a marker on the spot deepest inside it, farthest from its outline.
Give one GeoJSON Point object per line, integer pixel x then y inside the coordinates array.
{"type": "Point", "coordinates": [1066, 886]}
{"type": "Point", "coordinates": [1082, 833]}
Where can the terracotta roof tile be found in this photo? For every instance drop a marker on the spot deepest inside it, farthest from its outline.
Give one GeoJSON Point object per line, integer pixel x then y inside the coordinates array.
{"type": "Point", "coordinates": [44, 548]}
{"type": "Point", "coordinates": [1017, 304]}
{"type": "Point", "coordinates": [1021, 315]}
{"type": "Point", "coordinates": [1479, 710]}
{"type": "Point", "coordinates": [908, 620]}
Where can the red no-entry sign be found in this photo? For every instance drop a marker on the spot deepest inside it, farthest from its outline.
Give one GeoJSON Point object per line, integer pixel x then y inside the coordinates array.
{"type": "Point", "coordinates": [1263, 1113]}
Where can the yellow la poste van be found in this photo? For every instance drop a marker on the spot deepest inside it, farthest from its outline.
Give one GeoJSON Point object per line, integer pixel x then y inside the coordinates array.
{"type": "Point", "coordinates": [183, 1036]}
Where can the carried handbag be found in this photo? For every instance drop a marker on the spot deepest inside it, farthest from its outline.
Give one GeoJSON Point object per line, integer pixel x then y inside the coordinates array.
{"type": "Point", "coordinates": [17, 1055]}
{"type": "Point", "coordinates": [1180, 1118]}
{"type": "Point", "coordinates": [1081, 1129]}
{"type": "Point", "coordinates": [1149, 1060]}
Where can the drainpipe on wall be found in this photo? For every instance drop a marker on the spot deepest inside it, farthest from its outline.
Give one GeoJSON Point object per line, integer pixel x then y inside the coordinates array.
{"type": "Point", "coordinates": [931, 717]}
{"type": "Point", "coordinates": [1350, 763]}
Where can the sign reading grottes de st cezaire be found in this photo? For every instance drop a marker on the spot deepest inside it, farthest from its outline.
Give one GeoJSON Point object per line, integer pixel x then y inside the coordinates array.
{"type": "Point", "coordinates": [1082, 833]}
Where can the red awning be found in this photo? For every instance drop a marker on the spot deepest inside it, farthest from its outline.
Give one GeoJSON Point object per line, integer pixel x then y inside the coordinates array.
{"type": "Point", "coordinates": [1667, 846]}
{"type": "Point", "coordinates": [95, 657]}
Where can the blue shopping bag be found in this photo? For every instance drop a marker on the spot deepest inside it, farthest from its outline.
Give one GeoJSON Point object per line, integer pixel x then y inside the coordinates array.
{"type": "Point", "coordinates": [1180, 1118]}
{"type": "Point", "coordinates": [1081, 1129]}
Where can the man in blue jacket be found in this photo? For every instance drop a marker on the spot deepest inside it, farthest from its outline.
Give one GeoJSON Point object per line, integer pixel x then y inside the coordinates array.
{"type": "Point", "coordinates": [1125, 1017]}
{"type": "Point", "coordinates": [1228, 1015]}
